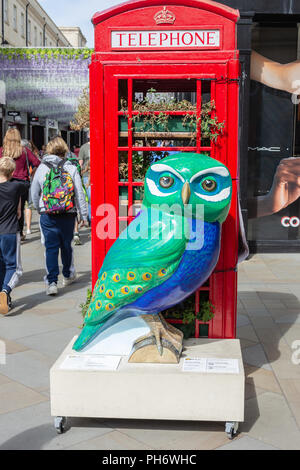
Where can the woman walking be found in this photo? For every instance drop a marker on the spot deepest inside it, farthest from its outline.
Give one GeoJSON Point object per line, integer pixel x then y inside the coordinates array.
{"type": "Point", "coordinates": [58, 200]}
{"type": "Point", "coordinates": [24, 159]}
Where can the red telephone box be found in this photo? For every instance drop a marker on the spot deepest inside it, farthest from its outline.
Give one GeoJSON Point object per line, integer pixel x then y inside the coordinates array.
{"type": "Point", "coordinates": [182, 48]}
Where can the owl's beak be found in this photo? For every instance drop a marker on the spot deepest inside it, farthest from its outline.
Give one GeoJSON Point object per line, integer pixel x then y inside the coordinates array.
{"type": "Point", "coordinates": [186, 193]}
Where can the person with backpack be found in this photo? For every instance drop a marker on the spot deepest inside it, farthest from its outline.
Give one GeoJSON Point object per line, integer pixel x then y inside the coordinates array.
{"type": "Point", "coordinates": [58, 195]}
{"type": "Point", "coordinates": [24, 159]}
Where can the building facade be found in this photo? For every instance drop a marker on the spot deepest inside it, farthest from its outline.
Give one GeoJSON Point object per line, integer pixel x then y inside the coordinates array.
{"type": "Point", "coordinates": [26, 24]}
{"type": "Point", "coordinates": [74, 35]}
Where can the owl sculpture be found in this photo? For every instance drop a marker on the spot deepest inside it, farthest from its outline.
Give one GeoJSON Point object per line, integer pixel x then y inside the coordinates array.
{"type": "Point", "coordinates": [167, 252]}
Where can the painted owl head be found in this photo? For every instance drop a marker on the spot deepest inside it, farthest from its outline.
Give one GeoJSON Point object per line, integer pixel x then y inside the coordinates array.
{"type": "Point", "coordinates": [188, 180]}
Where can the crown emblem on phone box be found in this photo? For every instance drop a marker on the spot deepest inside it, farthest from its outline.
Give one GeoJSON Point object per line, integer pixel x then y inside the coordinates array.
{"type": "Point", "coordinates": [165, 17]}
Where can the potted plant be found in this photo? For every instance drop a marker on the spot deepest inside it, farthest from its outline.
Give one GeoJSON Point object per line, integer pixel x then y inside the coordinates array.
{"type": "Point", "coordinates": [154, 118]}
{"type": "Point", "coordinates": [185, 313]}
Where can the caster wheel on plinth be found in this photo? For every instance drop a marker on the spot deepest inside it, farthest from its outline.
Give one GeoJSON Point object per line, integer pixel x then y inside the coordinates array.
{"type": "Point", "coordinates": [60, 424]}
{"type": "Point", "coordinates": [231, 429]}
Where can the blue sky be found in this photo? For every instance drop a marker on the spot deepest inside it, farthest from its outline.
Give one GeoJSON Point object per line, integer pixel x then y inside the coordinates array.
{"type": "Point", "coordinates": [77, 13]}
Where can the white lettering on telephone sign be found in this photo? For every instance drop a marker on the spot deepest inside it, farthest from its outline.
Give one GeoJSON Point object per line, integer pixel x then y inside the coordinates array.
{"type": "Point", "coordinates": [208, 38]}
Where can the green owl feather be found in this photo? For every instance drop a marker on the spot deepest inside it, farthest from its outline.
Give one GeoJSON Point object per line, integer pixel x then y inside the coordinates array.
{"type": "Point", "coordinates": [134, 266]}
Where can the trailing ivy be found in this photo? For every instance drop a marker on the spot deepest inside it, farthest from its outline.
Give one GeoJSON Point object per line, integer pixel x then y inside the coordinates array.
{"type": "Point", "coordinates": [59, 53]}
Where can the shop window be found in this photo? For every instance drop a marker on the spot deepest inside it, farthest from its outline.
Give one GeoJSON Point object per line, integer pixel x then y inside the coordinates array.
{"type": "Point", "coordinates": [29, 31]}
{"type": "Point", "coordinates": [15, 16]}
{"type": "Point", "coordinates": [274, 137]}
{"type": "Point", "coordinates": [6, 13]}
{"type": "Point", "coordinates": [22, 23]}
{"type": "Point", "coordinates": [35, 36]}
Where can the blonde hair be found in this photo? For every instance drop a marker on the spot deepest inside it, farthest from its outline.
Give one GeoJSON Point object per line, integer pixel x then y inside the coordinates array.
{"type": "Point", "coordinates": [12, 146]}
{"type": "Point", "coordinates": [7, 166]}
{"type": "Point", "coordinates": [57, 146]}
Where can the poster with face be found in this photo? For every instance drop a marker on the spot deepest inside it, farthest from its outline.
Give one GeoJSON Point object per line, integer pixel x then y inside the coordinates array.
{"type": "Point", "coordinates": [274, 155]}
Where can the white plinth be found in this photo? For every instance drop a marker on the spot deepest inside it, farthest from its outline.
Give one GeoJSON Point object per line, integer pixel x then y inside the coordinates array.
{"type": "Point", "coordinates": [153, 391]}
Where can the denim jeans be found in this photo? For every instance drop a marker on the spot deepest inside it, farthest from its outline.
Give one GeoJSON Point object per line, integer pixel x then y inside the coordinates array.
{"type": "Point", "coordinates": [58, 233]}
{"type": "Point", "coordinates": [10, 261]}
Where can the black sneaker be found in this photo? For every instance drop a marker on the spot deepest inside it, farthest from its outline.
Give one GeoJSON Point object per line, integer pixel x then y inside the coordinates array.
{"type": "Point", "coordinates": [5, 303]}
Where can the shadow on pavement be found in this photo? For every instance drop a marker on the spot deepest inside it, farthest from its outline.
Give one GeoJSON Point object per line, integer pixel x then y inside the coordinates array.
{"type": "Point", "coordinates": [268, 343]}
{"type": "Point", "coordinates": [40, 298]}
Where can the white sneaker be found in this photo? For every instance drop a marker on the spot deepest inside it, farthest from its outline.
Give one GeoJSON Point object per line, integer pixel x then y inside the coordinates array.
{"type": "Point", "coordinates": [52, 289]}
{"type": "Point", "coordinates": [28, 232]}
{"type": "Point", "coordinates": [77, 240]}
{"type": "Point", "coordinates": [68, 281]}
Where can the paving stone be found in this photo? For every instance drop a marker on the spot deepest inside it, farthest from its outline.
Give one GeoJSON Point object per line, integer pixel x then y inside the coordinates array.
{"type": "Point", "coordinates": [262, 378]}
{"type": "Point", "coordinates": [15, 327]}
{"type": "Point", "coordinates": [293, 318]}
{"type": "Point", "coordinates": [30, 368]}
{"type": "Point", "coordinates": [32, 428]}
{"type": "Point", "coordinates": [242, 320]}
{"type": "Point", "coordinates": [113, 441]}
{"type": "Point", "coordinates": [280, 356]}
{"type": "Point", "coordinates": [247, 332]}
{"type": "Point", "coordinates": [173, 435]}
{"type": "Point", "coordinates": [255, 356]}
{"type": "Point", "coordinates": [12, 347]}
{"type": "Point", "coordinates": [245, 343]}
{"type": "Point", "coordinates": [50, 344]}
{"type": "Point", "coordinates": [4, 379]}
{"type": "Point", "coordinates": [269, 419]}
{"type": "Point", "coordinates": [251, 390]}
{"type": "Point", "coordinates": [291, 333]}
{"type": "Point", "coordinates": [247, 443]}
{"type": "Point", "coordinates": [14, 396]}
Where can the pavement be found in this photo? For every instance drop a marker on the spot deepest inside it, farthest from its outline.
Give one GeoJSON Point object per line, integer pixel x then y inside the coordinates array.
{"type": "Point", "coordinates": [39, 328]}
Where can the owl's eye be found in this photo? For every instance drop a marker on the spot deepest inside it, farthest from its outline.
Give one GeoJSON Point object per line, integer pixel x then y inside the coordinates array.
{"type": "Point", "coordinates": [209, 185]}
{"type": "Point", "coordinates": [166, 182]}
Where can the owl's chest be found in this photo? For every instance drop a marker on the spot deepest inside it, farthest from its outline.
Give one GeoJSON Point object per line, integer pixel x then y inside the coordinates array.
{"type": "Point", "coordinates": [201, 254]}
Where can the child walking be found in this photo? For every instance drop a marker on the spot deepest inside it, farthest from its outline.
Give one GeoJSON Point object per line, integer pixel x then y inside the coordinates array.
{"type": "Point", "coordinates": [11, 193]}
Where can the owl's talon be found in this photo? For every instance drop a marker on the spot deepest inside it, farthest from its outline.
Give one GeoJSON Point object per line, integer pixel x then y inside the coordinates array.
{"type": "Point", "coordinates": [162, 345]}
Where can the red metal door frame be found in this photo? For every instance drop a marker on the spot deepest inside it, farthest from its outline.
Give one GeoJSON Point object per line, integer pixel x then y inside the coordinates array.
{"type": "Point", "coordinates": [224, 91]}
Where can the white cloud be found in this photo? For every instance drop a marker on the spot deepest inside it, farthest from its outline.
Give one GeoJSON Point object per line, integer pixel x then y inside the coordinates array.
{"type": "Point", "coordinates": [77, 13]}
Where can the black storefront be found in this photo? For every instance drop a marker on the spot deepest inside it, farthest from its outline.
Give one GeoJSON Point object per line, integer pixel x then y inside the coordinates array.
{"type": "Point", "coordinates": [269, 123]}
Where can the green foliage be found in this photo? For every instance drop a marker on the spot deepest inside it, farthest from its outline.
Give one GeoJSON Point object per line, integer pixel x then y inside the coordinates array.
{"type": "Point", "coordinates": [85, 306]}
{"type": "Point", "coordinates": [82, 117]}
{"type": "Point", "coordinates": [58, 53]}
{"type": "Point", "coordinates": [185, 311]}
{"type": "Point", "coordinates": [152, 112]}
{"type": "Point", "coordinates": [140, 162]}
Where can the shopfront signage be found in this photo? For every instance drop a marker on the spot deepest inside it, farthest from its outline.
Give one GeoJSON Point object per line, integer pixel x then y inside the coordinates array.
{"type": "Point", "coordinates": [197, 38]}
{"type": "Point", "coordinates": [293, 222]}
{"type": "Point", "coordinates": [52, 124]}
{"type": "Point", "coordinates": [34, 119]}
{"type": "Point", "coordinates": [13, 114]}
